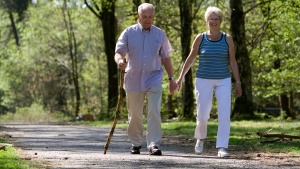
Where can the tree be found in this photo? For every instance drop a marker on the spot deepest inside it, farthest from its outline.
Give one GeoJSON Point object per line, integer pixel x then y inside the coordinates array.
{"type": "Point", "coordinates": [136, 4]}
{"type": "Point", "coordinates": [107, 16]}
{"type": "Point", "coordinates": [244, 104]}
{"type": "Point", "coordinates": [37, 60]}
{"type": "Point", "coordinates": [11, 7]}
{"type": "Point", "coordinates": [19, 6]}
{"type": "Point", "coordinates": [188, 12]}
{"type": "Point", "coordinates": [276, 52]}
{"type": "Point", "coordinates": [73, 53]}
{"type": "Point", "coordinates": [186, 20]}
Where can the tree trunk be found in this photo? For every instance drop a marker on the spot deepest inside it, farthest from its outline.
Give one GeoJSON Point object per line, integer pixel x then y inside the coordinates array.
{"type": "Point", "coordinates": [136, 4]}
{"type": "Point", "coordinates": [186, 32]}
{"type": "Point", "coordinates": [285, 102]}
{"type": "Point", "coordinates": [109, 26]}
{"type": "Point", "coordinates": [243, 105]}
{"type": "Point", "coordinates": [171, 112]}
{"type": "Point", "coordinates": [73, 55]}
{"type": "Point", "coordinates": [291, 105]}
{"type": "Point", "coordinates": [284, 105]}
{"type": "Point", "coordinates": [13, 26]}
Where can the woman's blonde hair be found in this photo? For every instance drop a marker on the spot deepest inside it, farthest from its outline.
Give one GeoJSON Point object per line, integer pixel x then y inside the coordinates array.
{"type": "Point", "coordinates": [212, 9]}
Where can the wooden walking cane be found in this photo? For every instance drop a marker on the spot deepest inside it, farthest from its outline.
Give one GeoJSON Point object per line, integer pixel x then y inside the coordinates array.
{"type": "Point", "coordinates": [118, 111]}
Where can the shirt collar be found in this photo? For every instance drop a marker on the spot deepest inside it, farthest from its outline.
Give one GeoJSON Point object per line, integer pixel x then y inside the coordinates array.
{"type": "Point", "coordinates": [142, 29]}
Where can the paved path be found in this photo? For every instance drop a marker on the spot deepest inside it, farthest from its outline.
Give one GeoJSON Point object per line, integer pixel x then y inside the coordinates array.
{"type": "Point", "coordinates": [68, 147]}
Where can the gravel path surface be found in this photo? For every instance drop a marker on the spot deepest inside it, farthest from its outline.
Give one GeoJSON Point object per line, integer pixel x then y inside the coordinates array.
{"type": "Point", "coordinates": [68, 147]}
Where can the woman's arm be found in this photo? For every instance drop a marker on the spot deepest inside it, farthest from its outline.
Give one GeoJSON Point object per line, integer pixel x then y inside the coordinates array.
{"type": "Point", "coordinates": [233, 65]}
{"type": "Point", "coordinates": [190, 59]}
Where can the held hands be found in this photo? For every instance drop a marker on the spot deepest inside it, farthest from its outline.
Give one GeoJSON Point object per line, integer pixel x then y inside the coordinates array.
{"type": "Point", "coordinates": [173, 86]}
{"type": "Point", "coordinates": [179, 83]}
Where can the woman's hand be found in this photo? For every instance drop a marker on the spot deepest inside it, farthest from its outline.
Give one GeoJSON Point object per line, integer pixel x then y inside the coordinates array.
{"type": "Point", "coordinates": [238, 89]}
{"type": "Point", "coordinates": [179, 83]}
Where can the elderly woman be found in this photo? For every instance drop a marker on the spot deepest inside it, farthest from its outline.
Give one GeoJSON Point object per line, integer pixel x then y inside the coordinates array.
{"type": "Point", "coordinates": [216, 59]}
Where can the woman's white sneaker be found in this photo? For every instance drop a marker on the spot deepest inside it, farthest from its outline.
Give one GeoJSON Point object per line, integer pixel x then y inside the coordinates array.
{"type": "Point", "coordinates": [223, 153]}
{"type": "Point", "coordinates": [199, 147]}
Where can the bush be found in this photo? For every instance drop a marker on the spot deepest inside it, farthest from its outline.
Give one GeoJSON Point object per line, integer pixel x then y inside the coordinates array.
{"type": "Point", "coordinates": [34, 113]}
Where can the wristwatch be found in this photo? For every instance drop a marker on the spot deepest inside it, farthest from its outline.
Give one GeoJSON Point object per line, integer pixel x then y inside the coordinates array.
{"type": "Point", "coordinates": [172, 78]}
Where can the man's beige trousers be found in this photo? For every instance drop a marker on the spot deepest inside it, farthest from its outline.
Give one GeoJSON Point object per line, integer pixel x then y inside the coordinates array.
{"type": "Point", "coordinates": [135, 106]}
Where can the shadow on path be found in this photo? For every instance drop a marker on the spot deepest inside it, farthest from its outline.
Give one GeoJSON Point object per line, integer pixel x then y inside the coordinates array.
{"type": "Point", "coordinates": [66, 146]}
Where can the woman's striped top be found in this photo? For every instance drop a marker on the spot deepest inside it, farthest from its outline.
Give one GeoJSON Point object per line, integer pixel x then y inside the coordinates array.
{"type": "Point", "coordinates": [213, 58]}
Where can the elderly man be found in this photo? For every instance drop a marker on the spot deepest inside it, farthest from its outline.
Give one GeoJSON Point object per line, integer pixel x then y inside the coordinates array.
{"type": "Point", "coordinates": [146, 48]}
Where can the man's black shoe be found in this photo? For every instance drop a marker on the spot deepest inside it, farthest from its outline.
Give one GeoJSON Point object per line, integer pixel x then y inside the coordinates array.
{"type": "Point", "coordinates": [135, 150]}
{"type": "Point", "coordinates": [154, 150]}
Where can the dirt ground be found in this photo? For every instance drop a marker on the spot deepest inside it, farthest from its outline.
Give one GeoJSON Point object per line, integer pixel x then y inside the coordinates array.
{"type": "Point", "coordinates": [68, 147]}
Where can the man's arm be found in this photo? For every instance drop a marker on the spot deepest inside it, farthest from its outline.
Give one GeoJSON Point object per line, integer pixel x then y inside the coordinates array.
{"type": "Point", "coordinates": [119, 61]}
{"type": "Point", "coordinates": [169, 69]}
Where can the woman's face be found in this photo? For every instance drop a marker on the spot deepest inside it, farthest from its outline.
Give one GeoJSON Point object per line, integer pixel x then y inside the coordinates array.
{"type": "Point", "coordinates": [146, 18]}
{"type": "Point", "coordinates": [213, 21]}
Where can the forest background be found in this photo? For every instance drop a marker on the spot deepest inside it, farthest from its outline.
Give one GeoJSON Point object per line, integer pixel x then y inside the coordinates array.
{"type": "Point", "coordinates": [56, 56]}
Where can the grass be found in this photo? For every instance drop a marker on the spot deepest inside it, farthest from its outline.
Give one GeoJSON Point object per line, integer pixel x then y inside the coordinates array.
{"type": "Point", "coordinates": [9, 159]}
{"type": "Point", "coordinates": [242, 134]}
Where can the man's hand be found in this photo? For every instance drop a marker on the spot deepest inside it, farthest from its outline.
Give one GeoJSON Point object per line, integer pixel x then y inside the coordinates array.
{"type": "Point", "coordinates": [122, 65]}
{"type": "Point", "coordinates": [173, 87]}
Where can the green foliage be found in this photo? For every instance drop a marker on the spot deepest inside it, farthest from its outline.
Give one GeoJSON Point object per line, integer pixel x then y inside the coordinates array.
{"type": "Point", "coordinates": [276, 59]}
{"type": "Point", "coordinates": [18, 6]}
{"type": "Point", "coordinates": [38, 71]}
{"type": "Point", "coordinates": [9, 159]}
{"type": "Point", "coordinates": [34, 113]}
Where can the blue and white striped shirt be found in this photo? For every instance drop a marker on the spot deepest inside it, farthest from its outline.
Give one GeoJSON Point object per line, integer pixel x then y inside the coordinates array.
{"type": "Point", "coordinates": [213, 59]}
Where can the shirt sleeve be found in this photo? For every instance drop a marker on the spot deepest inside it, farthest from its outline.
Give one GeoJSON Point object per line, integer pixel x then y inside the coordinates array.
{"type": "Point", "coordinates": [122, 43]}
{"type": "Point", "coordinates": [166, 48]}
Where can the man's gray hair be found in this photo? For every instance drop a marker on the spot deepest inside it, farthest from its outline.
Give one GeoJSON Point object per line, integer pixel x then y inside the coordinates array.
{"type": "Point", "coordinates": [144, 6]}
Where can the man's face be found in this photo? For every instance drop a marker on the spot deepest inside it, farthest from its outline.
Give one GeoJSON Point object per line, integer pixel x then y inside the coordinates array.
{"type": "Point", "coordinates": [146, 18]}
